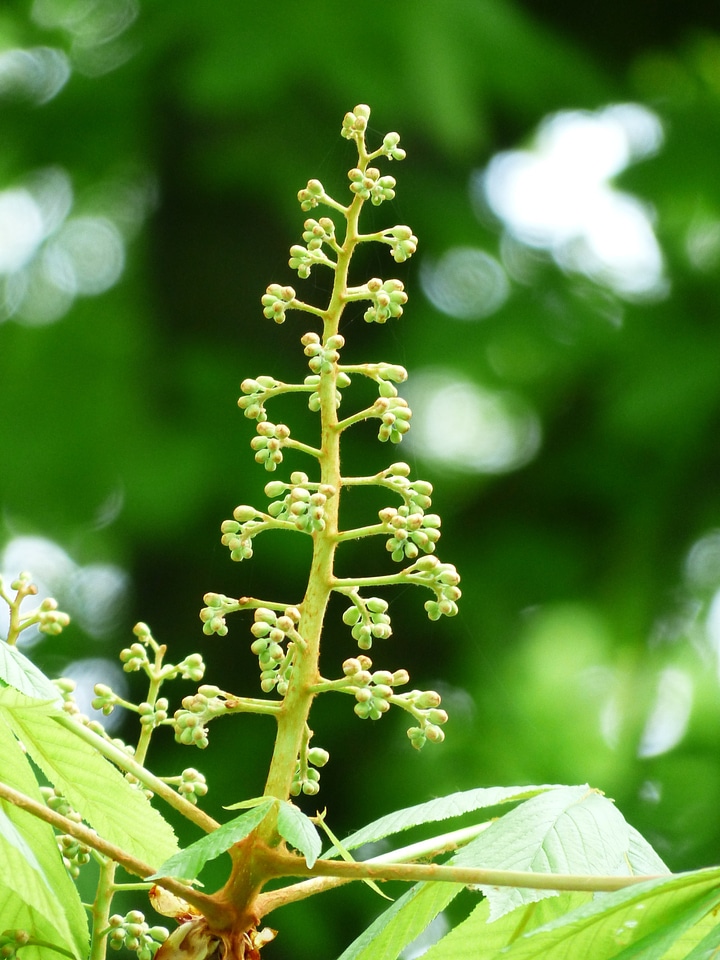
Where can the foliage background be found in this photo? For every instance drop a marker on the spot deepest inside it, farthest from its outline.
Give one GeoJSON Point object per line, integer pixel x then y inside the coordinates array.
{"type": "Point", "coordinates": [164, 144]}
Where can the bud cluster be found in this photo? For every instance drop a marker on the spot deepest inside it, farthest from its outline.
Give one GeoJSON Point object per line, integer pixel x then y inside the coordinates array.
{"type": "Point", "coordinates": [257, 391]}
{"type": "Point", "coordinates": [312, 195]}
{"type": "Point", "coordinates": [192, 784]}
{"type": "Point", "coordinates": [303, 259]}
{"type": "Point", "coordinates": [411, 531]}
{"type": "Point", "coordinates": [303, 504]}
{"type": "Point", "coordinates": [424, 706]}
{"type": "Point", "coordinates": [46, 616]}
{"type": "Point", "coordinates": [276, 301]}
{"type": "Point", "coordinates": [307, 779]}
{"type": "Point", "coordinates": [135, 657]}
{"type": "Point", "coordinates": [388, 298]}
{"type": "Point", "coordinates": [268, 444]}
{"type": "Point", "coordinates": [323, 357]}
{"type": "Point", "coordinates": [354, 124]}
{"type": "Point", "coordinates": [75, 854]}
{"type": "Point", "coordinates": [190, 722]}
{"type": "Point", "coordinates": [271, 632]}
{"type": "Point", "coordinates": [442, 579]}
{"type": "Point", "coordinates": [394, 414]}
{"type": "Point", "coordinates": [13, 940]}
{"type": "Point", "coordinates": [368, 619]}
{"type": "Point", "coordinates": [213, 615]}
{"type": "Point", "coordinates": [369, 185]}
{"type": "Point", "coordinates": [134, 933]}
{"type": "Point", "coordinates": [373, 691]}
{"type": "Point", "coordinates": [403, 242]}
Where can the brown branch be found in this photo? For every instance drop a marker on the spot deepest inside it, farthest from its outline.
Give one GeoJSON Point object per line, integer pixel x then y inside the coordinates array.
{"type": "Point", "coordinates": [206, 904]}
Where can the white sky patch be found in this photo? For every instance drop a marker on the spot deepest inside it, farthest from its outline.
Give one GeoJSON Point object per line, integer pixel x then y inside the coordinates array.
{"type": "Point", "coordinates": [558, 195]}
{"type": "Point", "coordinates": [469, 428]}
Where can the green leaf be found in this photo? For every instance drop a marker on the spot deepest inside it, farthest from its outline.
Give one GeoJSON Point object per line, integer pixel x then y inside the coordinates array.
{"type": "Point", "coordinates": [11, 835]}
{"type": "Point", "coordinates": [478, 939]}
{"type": "Point", "coordinates": [36, 892]}
{"type": "Point", "coordinates": [118, 811]}
{"type": "Point", "coordinates": [657, 920]}
{"type": "Point", "coordinates": [568, 830]}
{"type": "Point", "coordinates": [441, 808]}
{"type": "Point", "coordinates": [188, 863]}
{"type": "Point", "coordinates": [19, 672]}
{"type": "Point", "coordinates": [299, 831]}
{"type": "Point", "coordinates": [401, 923]}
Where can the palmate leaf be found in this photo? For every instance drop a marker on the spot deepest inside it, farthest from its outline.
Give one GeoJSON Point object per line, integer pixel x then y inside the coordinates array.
{"type": "Point", "coordinates": [36, 892]}
{"type": "Point", "coordinates": [402, 922]}
{"type": "Point", "coordinates": [571, 830]}
{"type": "Point", "coordinates": [670, 919]}
{"type": "Point", "coordinates": [118, 811]}
{"type": "Point", "coordinates": [441, 808]}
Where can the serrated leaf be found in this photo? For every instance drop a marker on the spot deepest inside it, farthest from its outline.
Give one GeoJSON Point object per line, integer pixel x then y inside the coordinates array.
{"type": "Point", "coordinates": [478, 939]}
{"type": "Point", "coordinates": [645, 922]}
{"type": "Point", "coordinates": [299, 831]}
{"type": "Point", "coordinates": [568, 830]}
{"type": "Point", "coordinates": [22, 674]}
{"type": "Point", "coordinates": [402, 922]}
{"type": "Point", "coordinates": [188, 863]}
{"type": "Point", "coordinates": [36, 892]}
{"type": "Point", "coordinates": [118, 811]}
{"type": "Point", "coordinates": [440, 808]}
{"type": "Point", "coordinates": [657, 920]}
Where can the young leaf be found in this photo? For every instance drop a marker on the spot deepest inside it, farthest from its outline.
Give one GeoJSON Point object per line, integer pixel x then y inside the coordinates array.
{"type": "Point", "coordinates": [19, 672]}
{"type": "Point", "coordinates": [568, 830]}
{"type": "Point", "coordinates": [402, 922]}
{"type": "Point", "coordinates": [118, 811]}
{"type": "Point", "coordinates": [441, 808]}
{"type": "Point", "coordinates": [36, 892]}
{"type": "Point", "coordinates": [188, 863]}
{"type": "Point", "coordinates": [299, 831]}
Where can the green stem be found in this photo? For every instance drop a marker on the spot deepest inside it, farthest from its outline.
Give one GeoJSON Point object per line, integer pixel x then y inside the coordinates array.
{"type": "Point", "coordinates": [125, 762]}
{"type": "Point", "coordinates": [102, 904]}
{"type": "Point", "coordinates": [290, 865]}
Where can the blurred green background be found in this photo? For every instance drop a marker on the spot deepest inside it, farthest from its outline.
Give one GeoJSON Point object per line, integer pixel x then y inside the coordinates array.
{"type": "Point", "coordinates": [562, 339]}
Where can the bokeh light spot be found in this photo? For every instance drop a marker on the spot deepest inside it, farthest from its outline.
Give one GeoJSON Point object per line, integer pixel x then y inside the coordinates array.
{"type": "Point", "coordinates": [469, 428]}
{"type": "Point", "coordinates": [36, 74]}
{"type": "Point", "coordinates": [558, 196]}
{"type": "Point", "coordinates": [465, 283]}
{"type": "Point", "coordinates": [86, 673]}
{"type": "Point", "coordinates": [670, 714]}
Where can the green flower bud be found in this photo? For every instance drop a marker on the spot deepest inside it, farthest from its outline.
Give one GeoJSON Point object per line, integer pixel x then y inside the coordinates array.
{"type": "Point", "coordinates": [318, 757]}
{"type": "Point", "coordinates": [243, 513]}
{"type": "Point", "coordinates": [351, 616]}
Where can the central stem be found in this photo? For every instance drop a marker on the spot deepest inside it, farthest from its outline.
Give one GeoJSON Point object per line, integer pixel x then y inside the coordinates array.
{"type": "Point", "coordinates": [247, 875]}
